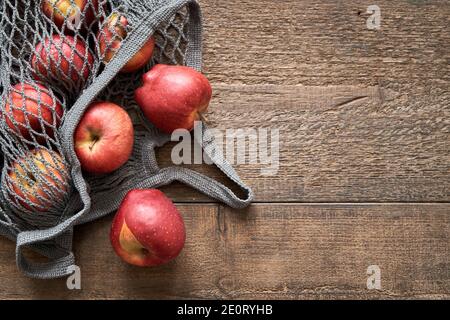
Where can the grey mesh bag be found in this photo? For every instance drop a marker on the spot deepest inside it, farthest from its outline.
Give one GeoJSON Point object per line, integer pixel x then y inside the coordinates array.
{"type": "Point", "coordinates": [45, 92]}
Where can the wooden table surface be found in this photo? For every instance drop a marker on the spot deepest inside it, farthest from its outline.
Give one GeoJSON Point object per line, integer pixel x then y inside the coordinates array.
{"type": "Point", "coordinates": [364, 176]}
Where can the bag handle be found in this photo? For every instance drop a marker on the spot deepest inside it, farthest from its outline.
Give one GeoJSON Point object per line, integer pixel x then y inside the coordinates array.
{"type": "Point", "coordinates": [60, 255]}
{"type": "Point", "coordinates": [198, 181]}
{"type": "Point", "coordinates": [59, 250]}
{"type": "Point", "coordinates": [209, 186]}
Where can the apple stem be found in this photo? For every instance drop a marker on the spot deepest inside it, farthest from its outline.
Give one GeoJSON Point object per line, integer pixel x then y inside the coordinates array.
{"type": "Point", "coordinates": [94, 141]}
{"type": "Point", "coordinates": [203, 118]}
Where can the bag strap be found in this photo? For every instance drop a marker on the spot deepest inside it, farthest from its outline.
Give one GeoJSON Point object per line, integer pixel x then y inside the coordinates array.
{"type": "Point", "coordinates": [198, 181]}
{"type": "Point", "coordinates": [204, 184]}
{"type": "Point", "coordinates": [59, 251]}
{"type": "Point", "coordinates": [156, 176]}
{"type": "Point", "coordinates": [209, 186]}
{"type": "Point", "coordinates": [54, 243]}
{"type": "Point", "coordinates": [194, 34]}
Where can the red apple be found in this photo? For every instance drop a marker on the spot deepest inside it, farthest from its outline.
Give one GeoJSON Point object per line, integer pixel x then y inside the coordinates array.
{"type": "Point", "coordinates": [32, 109]}
{"type": "Point", "coordinates": [70, 10]}
{"type": "Point", "coordinates": [40, 177]}
{"type": "Point", "coordinates": [104, 138]}
{"type": "Point", "coordinates": [173, 97]}
{"type": "Point", "coordinates": [63, 59]}
{"type": "Point", "coordinates": [147, 230]}
{"type": "Point", "coordinates": [110, 39]}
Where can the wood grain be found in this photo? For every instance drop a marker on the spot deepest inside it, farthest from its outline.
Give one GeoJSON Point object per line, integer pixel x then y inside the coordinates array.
{"type": "Point", "coordinates": [280, 251]}
{"type": "Point", "coordinates": [363, 114]}
{"type": "Point", "coordinates": [337, 143]}
{"type": "Point", "coordinates": [317, 42]}
{"type": "Point", "coordinates": [363, 117]}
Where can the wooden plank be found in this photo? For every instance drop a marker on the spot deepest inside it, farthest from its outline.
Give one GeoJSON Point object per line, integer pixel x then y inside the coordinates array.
{"type": "Point", "coordinates": [337, 143]}
{"type": "Point", "coordinates": [268, 251]}
{"type": "Point", "coordinates": [323, 251]}
{"type": "Point", "coordinates": [363, 116]}
{"type": "Point", "coordinates": [105, 276]}
{"type": "Point", "coordinates": [319, 42]}
{"type": "Point", "coordinates": [371, 123]}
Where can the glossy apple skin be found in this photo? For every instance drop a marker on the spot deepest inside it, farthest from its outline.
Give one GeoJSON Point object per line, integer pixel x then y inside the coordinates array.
{"type": "Point", "coordinates": [148, 229]}
{"type": "Point", "coordinates": [58, 10]}
{"type": "Point", "coordinates": [22, 106]}
{"type": "Point", "coordinates": [110, 39]}
{"type": "Point", "coordinates": [49, 64]}
{"type": "Point", "coordinates": [104, 138]}
{"type": "Point", "coordinates": [173, 97]}
{"type": "Point", "coordinates": [47, 183]}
